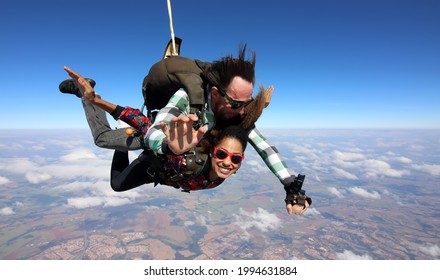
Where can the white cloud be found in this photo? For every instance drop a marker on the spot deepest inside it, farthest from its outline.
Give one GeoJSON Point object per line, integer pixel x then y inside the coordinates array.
{"type": "Point", "coordinates": [335, 192]}
{"type": "Point", "coordinates": [188, 223]}
{"type": "Point", "coordinates": [417, 148]}
{"type": "Point", "coordinates": [116, 201]}
{"type": "Point", "coordinates": [30, 170]}
{"type": "Point", "coordinates": [68, 144]}
{"type": "Point", "coordinates": [97, 188]}
{"type": "Point", "coordinates": [312, 212]}
{"type": "Point", "coordinates": [5, 211]}
{"type": "Point", "coordinates": [18, 204]}
{"type": "Point", "coordinates": [4, 180]}
{"type": "Point", "coordinates": [433, 169]}
{"type": "Point", "coordinates": [301, 149]}
{"type": "Point", "coordinates": [81, 163]}
{"type": "Point", "coordinates": [431, 249]}
{"type": "Point", "coordinates": [256, 166]}
{"type": "Point", "coordinates": [75, 186]}
{"type": "Point", "coordinates": [363, 166]}
{"type": "Point", "coordinates": [13, 146]}
{"type": "Point", "coordinates": [198, 220]}
{"type": "Point", "coordinates": [344, 174]}
{"type": "Point", "coordinates": [261, 220]}
{"type": "Point", "coordinates": [355, 165]}
{"type": "Point", "coordinates": [363, 193]}
{"type": "Point", "coordinates": [151, 208]}
{"type": "Point", "coordinates": [37, 177]}
{"type": "Point", "coordinates": [17, 165]}
{"type": "Point", "coordinates": [390, 156]}
{"type": "Point", "coordinates": [92, 169]}
{"type": "Point", "coordinates": [348, 156]}
{"type": "Point", "coordinates": [38, 147]}
{"type": "Point", "coordinates": [201, 220]}
{"type": "Point", "coordinates": [86, 202]}
{"type": "Point", "coordinates": [374, 168]}
{"type": "Point", "coordinates": [349, 255]}
{"type": "Point", "coordinates": [79, 154]}
{"type": "Point", "coordinates": [404, 159]}
{"type": "Point", "coordinates": [98, 193]}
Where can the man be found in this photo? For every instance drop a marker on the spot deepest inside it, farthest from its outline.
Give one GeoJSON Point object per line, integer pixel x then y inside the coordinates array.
{"type": "Point", "coordinates": [197, 96]}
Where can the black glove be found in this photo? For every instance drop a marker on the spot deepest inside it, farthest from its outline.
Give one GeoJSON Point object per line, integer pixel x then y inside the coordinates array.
{"type": "Point", "coordinates": [295, 186]}
{"type": "Point", "coordinates": [294, 193]}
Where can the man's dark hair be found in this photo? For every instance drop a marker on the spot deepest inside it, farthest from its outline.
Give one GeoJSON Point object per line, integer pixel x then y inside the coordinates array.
{"type": "Point", "coordinates": [220, 72]}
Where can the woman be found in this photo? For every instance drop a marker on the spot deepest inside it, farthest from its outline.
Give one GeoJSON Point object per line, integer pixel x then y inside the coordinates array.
{"type": "Point", "coordinates": [218, 156]}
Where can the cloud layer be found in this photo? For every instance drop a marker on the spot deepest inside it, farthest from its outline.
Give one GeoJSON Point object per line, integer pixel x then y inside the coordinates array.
{"type": "Point", "coordinates": [260, 219]}
{"type": "Point", "coordinates": [83, 172]}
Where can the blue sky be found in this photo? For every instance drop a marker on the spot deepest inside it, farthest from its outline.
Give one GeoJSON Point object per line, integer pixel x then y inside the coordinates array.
{"type": "Point", "coordinates": [334, 64]}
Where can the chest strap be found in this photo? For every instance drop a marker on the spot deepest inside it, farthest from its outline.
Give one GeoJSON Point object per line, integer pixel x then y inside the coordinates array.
{"type": "Point", "coordinates": [195, 163]}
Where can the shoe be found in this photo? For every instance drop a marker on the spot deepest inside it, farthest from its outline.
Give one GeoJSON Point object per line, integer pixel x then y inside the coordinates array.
{"type": "Point", "coordinates": [69, 86]}
{"type": "Point", "coordinates": [169, 49]}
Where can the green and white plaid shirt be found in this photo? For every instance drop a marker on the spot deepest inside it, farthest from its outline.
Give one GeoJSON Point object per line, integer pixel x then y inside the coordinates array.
{"type": "Point", "coordinates": [179, 105]}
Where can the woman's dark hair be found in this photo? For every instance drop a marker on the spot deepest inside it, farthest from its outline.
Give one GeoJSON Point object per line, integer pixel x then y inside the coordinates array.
{"type": "Point", "coordinates": [214, 136]}
{"type": "Point", "coordinates": [232, 131]}
{"type": "Point", "coordinates": [254, 110]}
{"type": "Point", "coordinates": [220, 72]}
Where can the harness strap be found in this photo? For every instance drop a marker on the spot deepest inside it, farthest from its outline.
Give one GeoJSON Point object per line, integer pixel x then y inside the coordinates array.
{"type": "Point", "coordinates": [195, 163]}
{"type": "Point", "coordinates": [155, 164]}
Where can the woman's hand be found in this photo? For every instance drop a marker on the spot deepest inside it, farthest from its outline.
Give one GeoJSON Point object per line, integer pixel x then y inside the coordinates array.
{"type": "Point", "coordinates": [83, 85]}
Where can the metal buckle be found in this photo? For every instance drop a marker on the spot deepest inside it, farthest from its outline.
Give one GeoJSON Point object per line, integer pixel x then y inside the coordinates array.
{"type": "Point", "coordinates": [151, 172]}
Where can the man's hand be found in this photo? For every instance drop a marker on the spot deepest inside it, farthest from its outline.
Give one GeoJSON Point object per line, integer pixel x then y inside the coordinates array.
{"type": "Point", "coordinates": [181, 135]}
{"type": "Point", "coordinates": [297, 209]}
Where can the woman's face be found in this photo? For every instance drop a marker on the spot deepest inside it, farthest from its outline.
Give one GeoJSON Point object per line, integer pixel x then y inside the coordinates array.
{"type": "Point", "coordinates": [228, 151]}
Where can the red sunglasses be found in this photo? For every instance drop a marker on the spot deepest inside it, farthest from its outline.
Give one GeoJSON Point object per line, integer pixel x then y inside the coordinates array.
{"type": "Point", "coordinates": [222, 154]}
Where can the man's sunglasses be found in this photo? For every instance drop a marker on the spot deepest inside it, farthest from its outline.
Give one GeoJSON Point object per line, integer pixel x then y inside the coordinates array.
{"type": "Point", "coordinates": [222, 154]}
{"type": "Point", "coordinates": [234, 104]}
